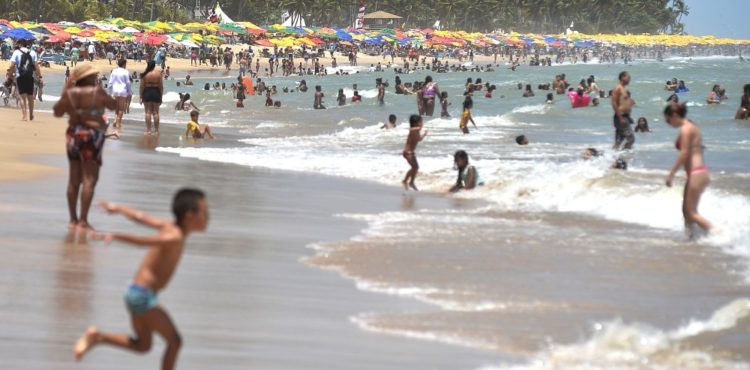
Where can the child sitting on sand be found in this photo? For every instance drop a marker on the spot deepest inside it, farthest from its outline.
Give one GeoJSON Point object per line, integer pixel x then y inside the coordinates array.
{"type": "Point", "coordinates": [165, 248]}
{"type": "Point", "coordinates": [409, 153]}
{"type": "Point", "coordinates": [196, 130]}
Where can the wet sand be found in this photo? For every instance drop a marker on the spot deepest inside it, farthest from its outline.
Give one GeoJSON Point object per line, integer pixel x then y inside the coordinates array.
{"type": "Point", "coordinates": [241, 297]}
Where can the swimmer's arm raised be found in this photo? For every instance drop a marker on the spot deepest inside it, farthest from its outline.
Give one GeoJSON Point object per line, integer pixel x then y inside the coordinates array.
{"type": "Point", "coordinates": [161, 240]}
{"type": "Point", "coordinates": [133, 214]}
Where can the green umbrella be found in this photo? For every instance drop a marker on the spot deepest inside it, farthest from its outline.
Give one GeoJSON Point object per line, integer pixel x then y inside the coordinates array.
{"type": "Point", "coordinates": [233, 27]}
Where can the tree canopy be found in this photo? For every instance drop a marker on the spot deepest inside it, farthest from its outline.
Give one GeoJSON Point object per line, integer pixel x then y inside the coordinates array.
{"type": "Point", "coordinates": [538, 16]}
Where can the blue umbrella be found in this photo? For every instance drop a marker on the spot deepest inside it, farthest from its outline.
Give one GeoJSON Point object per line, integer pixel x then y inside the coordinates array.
{"type": "Point", "coordinates": [19, 34]}
{"type": "Point", "coordinates": [41, 30]}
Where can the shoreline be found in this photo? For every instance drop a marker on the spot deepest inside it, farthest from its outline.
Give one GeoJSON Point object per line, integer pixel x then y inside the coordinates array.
{"type": "Point", "coordinates": [257, 298]}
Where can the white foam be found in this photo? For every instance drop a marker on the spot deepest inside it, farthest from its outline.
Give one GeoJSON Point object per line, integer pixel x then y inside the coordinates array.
{"type": "Point", "coordinates": [364, 93]}
{"type": "Point", "coordinates": [532, 109]}
{"type": "Point", "coordinates": [527, 181]}
{"type": "Point", "coordinates": [617, 345]}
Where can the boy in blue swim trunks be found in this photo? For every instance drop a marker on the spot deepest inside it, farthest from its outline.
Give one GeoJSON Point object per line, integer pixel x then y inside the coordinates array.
{"type": "Point", "coordinates": [164, 250]}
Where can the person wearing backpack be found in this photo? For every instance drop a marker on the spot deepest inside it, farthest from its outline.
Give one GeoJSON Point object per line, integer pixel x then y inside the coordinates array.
{"type": "Point", "coordinates": [24, 61]}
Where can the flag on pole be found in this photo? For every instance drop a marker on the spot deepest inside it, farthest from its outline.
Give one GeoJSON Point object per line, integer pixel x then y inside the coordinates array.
{"type": "Point", "coordinates": [360, 21]}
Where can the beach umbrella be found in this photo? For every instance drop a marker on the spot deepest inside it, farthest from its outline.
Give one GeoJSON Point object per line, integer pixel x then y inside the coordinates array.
{"type": "Point", "coordinates": [233, 28]}
{"type": "Point", "coordinates": [264, 42]}
{"type": "Point", "coordinates": [129, 30]}
{"type": "Point", "coordinates": [40, 30]}
{"type": "Point", "coordinates": [62, 35]}
{"type": "Point", "coordinates": [189, 43]}
{"type": "Point", "coordinates": [19, 34]}
{"type": "Point", "coordinates": [73, 30]}
{"type": "Point", "coordinates": [155, 40]}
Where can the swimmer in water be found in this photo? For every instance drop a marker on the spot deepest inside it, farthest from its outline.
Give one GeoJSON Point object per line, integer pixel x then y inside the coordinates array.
{"type": "Point", "coordinates": [390, 124]}
{"type": "Point", "coordinates": [409, 153]}
{"type": "Point", "coordinates": [468, 176]}
{"type": "Point", "coordinates": [744, 111]}
{"type": "Point", "coordinates": [522, 140]}
{"type": "Point", "coordinates": [642, 125]}
{"type": "Point", "coordinates": [690, 144]}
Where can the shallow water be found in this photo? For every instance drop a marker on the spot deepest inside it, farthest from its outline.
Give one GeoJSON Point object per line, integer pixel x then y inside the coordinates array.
{"type": "Point", "coordinates": [567, 263]}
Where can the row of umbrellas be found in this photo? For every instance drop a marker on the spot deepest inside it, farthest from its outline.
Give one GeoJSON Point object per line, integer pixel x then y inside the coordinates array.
{"type": "Point", "coordinates": [195, 33]}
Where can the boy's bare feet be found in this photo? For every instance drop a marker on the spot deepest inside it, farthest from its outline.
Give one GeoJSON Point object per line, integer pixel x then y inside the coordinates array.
{"type": "Point", "coordinates": [72, 225]}
{"type": "Point", "coordinates": [85, 343]}
{"type": "Point", "coordinates": [411, 184]}
{"type": "Point", "coordinates": [406, 187]}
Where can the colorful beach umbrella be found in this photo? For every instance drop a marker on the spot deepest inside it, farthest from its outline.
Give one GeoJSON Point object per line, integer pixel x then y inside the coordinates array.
{"type": "Point", "coordinates": [18, 34]}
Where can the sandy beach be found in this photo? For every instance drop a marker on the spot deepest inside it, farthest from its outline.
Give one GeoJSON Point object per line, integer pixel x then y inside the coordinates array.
{"type": "Point", "coordinates": [241, 296]}
{"type": "Point", "coordinates": [553, 261]}
{"type": "Point", "coordinates": [22, 142]}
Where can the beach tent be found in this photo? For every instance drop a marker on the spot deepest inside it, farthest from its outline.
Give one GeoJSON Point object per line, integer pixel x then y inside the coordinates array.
{"type": "Point", "coordinates": [222, 17]}
{"type": "Point", "coordinates": [293, 20]}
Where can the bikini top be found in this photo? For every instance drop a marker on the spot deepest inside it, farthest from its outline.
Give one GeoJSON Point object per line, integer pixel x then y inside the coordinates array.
{"type": "Point", "coordinates": [87, 112]}
{"type": "Point", "coordinates": [429, 91]}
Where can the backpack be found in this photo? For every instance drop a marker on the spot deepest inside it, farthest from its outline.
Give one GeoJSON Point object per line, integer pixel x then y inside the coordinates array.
{"type": "Point", "coordinates": [26, 67]}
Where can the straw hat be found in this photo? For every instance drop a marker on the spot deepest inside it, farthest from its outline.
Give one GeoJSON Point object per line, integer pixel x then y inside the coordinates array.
{"type": "Point", "coordinates": [82, 71]}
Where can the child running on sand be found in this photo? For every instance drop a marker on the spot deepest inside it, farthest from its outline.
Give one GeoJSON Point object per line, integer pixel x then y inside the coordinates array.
{"type": "Point", "coordinates": [165, 248]}
{"type": "Point", "coordinates": [415, 127]}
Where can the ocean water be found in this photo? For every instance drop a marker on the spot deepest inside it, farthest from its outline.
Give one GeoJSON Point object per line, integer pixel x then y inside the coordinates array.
{"type": "Point", "coordinates": [566, 263]}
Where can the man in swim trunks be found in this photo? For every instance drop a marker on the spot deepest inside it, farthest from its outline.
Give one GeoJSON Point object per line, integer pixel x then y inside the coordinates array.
{"type": "Point", "coordinates": [164, 251]}
{"type": "Point", "coordinates": [622, 104]}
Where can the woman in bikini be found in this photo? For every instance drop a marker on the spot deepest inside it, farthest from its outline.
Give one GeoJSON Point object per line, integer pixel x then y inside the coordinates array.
{"type": "Point", "coordinates": [690, 144]}
{"type": "Point", "coordinates": [85, 102]}
{"type": "Point", "coordinates": [152, 90]}
{"type": "Point", "coordinates": [429, 92]}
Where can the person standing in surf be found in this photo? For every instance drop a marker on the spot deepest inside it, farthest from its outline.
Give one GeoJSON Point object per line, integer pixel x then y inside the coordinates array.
{"type": "Point", "coordinates": [152, 90]}
{"type": "Point", "coordinates": [147, 317]}
{"type": "Point", "coordinates": [622, 104]}
{"type": "Point", "coordinates": [430, 92]}
{"type": "Point", "coordinates": [381, 90]}
{"type": "Point", "coordinates": [690, 144]}
{"type": "Point", "coordinates": [84, 101]}
{"type": "Point", "coordinates": [120, 88]}
{"type": "Point", "coordinates": [409, 153]}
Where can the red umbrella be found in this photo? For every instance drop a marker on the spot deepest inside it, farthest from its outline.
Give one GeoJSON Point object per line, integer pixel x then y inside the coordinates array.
{"type": "Point", "coordinates": [54, 39]}
{"type": "Point", "coordinates": [86, 33]}
{"type": "Point", "coordinates": [155, 40]}
{"type": "Point", "coordinates": [62, 35]}
{"type": "Point", "coordinates": [256, 31]}
{"type": "Point", "coordinates": [264, 42]}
